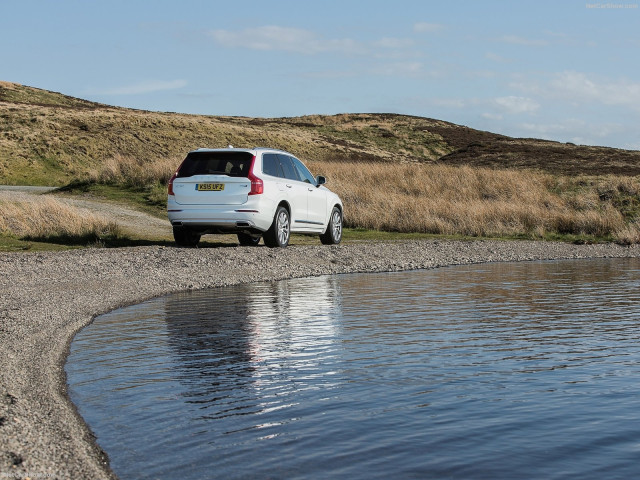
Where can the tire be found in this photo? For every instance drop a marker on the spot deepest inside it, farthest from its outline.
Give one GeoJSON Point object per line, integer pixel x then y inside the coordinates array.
{"type": "Point", "coordinates": [247, 240]}
{"type": "Point", "coordinates": [185, 237]}
{"type": "Point", "coordinates": [333, 234]}
{"type": "Point", "coordinates": [280, 230]}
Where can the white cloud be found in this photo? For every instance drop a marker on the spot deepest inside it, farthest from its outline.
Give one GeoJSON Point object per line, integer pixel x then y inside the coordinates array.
{"type": "Point", "coordinates": [276, 38]}
{"type": "Point", "coordinates": [580, 88]}
{"type": "Point", "coordinates": [528, 42]}
{"type": "Point", "coordinates": [574, 130]}
{"type": "Point", "coordinates": [513, 104]}
{"type": "Point", "coordinates": [492, 116]}
{"type": "Point", "coordinates": [140, 88]}
{"type": "Point", "coordinates": [424, 27]}
{"type": "Point", "coordinates": [390, 42]}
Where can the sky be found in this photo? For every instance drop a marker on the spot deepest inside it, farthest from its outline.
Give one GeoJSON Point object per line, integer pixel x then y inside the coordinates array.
{"type": "Point", "coordinates": [562, 70]}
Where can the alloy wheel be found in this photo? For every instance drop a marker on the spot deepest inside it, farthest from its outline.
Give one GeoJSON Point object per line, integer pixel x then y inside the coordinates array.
{"type": "Point", "coordinates": [283, 227]}
{"type": "Point", "coordinates": [337, 225]}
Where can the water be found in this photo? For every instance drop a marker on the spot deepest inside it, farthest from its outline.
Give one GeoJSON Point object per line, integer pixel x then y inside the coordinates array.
{"type": "Point", "coordinates": [527, 370]}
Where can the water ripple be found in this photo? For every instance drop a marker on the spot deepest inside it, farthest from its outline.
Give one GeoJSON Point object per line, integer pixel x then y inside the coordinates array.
{"type": "Point", "coordinates": [525, 370]}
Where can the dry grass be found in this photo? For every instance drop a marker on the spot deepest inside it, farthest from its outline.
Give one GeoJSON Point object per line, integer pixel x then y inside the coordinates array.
{"type": "Point", "coordinates": [134, 172]}
{"type": "Point", "coordinates": [44, 218]}
{"type": "Point", "coordinates": [475, 201]}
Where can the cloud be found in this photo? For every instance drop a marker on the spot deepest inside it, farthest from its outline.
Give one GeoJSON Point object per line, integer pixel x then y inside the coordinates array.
{"type": "Point", "coordinates": [424, 27]}
{"type": "Point", "coordinates": [141, 88]}
{"type": "Point", "coordinates": [575, 130]}
{"type": "Point", "coordinates": [581, 88]}
{"type": "Point", "coordinates": [390, 42]}
{"type": "Point", "coordinates": [276, 38]}
{"type": "Point", "coordinates": [513, 104]}
{"type": "Point", "coordinates": [516, 40]}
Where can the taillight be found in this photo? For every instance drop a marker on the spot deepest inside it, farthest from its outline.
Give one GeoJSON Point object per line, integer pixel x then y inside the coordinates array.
{"type": "Point", "coordinates": [257, 185]}
{"type": "Point", "coordinates": [170, 185]}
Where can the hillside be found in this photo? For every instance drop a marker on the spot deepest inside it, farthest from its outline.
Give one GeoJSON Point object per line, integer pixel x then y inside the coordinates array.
{"type": "Point", "coordinates": [51, 138]}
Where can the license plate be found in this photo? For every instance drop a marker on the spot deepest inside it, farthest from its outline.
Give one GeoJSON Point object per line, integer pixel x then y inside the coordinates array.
{"type": "Point", "coordinates": [210, 187]}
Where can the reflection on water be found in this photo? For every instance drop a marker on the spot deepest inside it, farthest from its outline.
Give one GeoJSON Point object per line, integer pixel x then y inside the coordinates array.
{"type": "Point", "coordinates": [245, 339]}
{"type": "Point", "coordinates": [496, 371]}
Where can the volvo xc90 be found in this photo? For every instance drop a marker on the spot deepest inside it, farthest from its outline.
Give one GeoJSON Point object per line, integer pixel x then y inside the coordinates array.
{"type": "Point", "coordinates": [253, 193]}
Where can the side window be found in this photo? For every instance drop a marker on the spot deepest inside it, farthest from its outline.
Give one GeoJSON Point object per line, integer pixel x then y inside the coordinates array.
{"type": "Point", "coordinates": [304, 172]}
{"type": "Point", "coordinates": [290, 171]}
{"type": "Point", "coordinates": [271, 165]}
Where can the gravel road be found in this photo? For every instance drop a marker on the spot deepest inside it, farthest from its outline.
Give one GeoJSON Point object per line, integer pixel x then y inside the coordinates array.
{"type": "Point", "coordinates": [45, 298]}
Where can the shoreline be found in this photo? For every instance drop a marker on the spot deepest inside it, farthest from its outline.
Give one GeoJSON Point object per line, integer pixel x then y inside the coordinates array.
{"type": "Point", "coordinates": [47, 297]}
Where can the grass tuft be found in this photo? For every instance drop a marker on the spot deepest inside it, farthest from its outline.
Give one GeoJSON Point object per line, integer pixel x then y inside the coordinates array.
{"type": "Point", "coordinates": [45, 219]}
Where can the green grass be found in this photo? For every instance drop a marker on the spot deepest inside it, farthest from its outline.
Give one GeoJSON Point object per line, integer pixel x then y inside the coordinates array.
{"type": "Point", "coordinates": [357, 235]}
{"type": "Point", "coordinates": [9, 243]}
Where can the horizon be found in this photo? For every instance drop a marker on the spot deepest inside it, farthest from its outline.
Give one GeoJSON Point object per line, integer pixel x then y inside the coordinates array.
{"type": "Point", "coordinates": [550, 70]}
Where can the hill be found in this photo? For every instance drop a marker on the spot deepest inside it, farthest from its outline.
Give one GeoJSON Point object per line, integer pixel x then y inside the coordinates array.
{"type": "Point", "coordinates": [51, 138]}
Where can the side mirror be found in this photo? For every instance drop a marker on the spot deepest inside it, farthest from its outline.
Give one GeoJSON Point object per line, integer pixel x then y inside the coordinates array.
{"type": "Point", "coordinates": [320, 180]}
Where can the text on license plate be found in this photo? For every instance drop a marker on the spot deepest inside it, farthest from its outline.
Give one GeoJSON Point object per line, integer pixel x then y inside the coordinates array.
{"type": "Point", "coordinates": [209, 187]}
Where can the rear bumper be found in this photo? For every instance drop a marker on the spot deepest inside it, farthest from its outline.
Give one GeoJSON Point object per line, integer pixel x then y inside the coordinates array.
{"type": "Point", "coordinates": [225, 218]}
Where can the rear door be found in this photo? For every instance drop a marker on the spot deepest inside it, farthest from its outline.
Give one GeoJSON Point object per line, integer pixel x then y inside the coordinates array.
{"type": "Point", "coordinates": [271, 166]}
{"type": "Point", "coordinates": [213, 178]}
{"type": "Point", "coordinates": [296, 191]}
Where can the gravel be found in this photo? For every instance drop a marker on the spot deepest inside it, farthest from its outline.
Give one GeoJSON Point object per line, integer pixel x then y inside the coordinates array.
{"type": "Point", "coordinates": [47, 297]}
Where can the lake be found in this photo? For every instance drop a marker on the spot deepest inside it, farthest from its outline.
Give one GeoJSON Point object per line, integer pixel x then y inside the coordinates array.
{"type": "Point", "coordinates": [496, 371]}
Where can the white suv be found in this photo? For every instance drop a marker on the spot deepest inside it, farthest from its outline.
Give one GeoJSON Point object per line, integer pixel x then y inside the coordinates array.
{"type": "Point", "coordinates": [254, 193]}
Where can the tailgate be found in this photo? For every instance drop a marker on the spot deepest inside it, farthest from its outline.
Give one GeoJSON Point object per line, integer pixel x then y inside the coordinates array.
{"type": "Point", "coordinates": [211, 190]}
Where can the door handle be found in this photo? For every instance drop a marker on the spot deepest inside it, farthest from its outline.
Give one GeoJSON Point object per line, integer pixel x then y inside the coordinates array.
{"type": "Point", "coordinates": [288, 185]}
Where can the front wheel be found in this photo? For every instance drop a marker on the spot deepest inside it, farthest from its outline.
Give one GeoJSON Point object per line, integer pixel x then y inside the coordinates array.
{"type": "Point", "coordinates": [280, 230]}
{"type": "Point", "coordinates": [333, 234]}
{"type": "Point", "coordinates": [185, 237]}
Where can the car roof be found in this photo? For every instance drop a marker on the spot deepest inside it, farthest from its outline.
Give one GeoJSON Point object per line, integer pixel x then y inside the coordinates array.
{"type": "Point", "coordinates": [233, 149]}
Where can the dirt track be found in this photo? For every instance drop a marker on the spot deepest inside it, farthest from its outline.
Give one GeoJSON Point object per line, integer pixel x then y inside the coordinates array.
{"type": "Point", "coordinates": [133, 222]}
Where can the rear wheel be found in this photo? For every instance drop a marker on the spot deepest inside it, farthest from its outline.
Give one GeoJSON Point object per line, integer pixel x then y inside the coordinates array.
{"type": "Point", "coordinates": [247, 240]}
{"type": "Point", "coordinates": [185, 237]}
{"type": "Point", "coordinates": [333, 234]}
{"type": "Point", "coordinates": [280, 230]}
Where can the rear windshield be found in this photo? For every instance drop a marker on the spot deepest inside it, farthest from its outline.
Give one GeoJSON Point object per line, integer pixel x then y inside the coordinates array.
{"type": "Point", "coordinates": [234, 164]}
